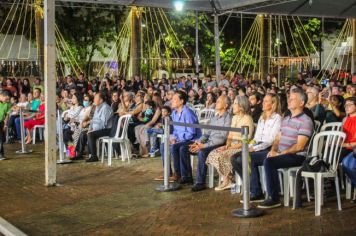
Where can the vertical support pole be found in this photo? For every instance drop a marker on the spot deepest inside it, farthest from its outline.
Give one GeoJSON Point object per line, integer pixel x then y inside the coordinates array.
{"type": "Point", "coordinates": [241, 36]}
{"type": "Point", "coordinates": [167, 187]}
{"type": "Point", "coordinates": [279, 50]}
{"type": "Point", "coordinates": [217, 47]}
{"type": "Point", "coordinates": [167, 160]}
{"type": "Point", "coordinates": [50, 89]}
{"type": "Point", "coordinates": [321, 54]}
{"type": "Point", "coordinates": [353, 61]}
{"type": "Point", "coordinates": [197, 59]}
{"type": "Point", "coordinates": [246, 211]}
{"type": "Point", "coordinates": [264, 47]}
{"type": "Point", "coordinates": [245, 174]}
{"type": "Point", "coordinates": [135, 50]}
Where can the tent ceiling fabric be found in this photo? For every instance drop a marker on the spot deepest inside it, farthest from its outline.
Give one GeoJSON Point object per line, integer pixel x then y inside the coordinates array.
{"type": "Point", "coordinates": [317, 8]}
{"type": "Point", "coordinates": [321, 8]}
{"type": "Point", "coordinates": [198, 5]}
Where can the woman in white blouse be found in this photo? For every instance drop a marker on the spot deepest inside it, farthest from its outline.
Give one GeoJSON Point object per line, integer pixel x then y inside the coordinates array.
{"type": "Point", "coordinates": [267, 129]}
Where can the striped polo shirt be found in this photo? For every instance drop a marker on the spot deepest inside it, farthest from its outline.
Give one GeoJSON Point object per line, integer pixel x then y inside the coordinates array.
{"type": "Point", "coordinates": [291, 127]}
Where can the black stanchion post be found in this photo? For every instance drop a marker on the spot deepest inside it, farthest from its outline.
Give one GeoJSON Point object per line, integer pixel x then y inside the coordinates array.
{"type": "Point", "coordinates": [246, 211]}
{"type": "Point", "coordinates": [167, 187]}
{"type": "Point", "coordinates": [23, 144]}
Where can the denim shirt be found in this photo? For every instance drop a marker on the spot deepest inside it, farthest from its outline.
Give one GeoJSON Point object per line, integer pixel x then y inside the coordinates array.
{"type": "Point", "coordinates": [181, 133]}
{"type": "Point", "coordinates": [102, 117]}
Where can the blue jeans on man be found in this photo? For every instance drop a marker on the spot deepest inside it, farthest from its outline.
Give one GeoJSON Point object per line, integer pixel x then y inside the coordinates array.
{"type": "Point", "coordinates": [271, 166]}
{"type": "Point", "coordinates": [257, 159]}
{"type": "Point", "coordinates": [181, 159]}
{"type": "Point", "coordinates": [202, 167]}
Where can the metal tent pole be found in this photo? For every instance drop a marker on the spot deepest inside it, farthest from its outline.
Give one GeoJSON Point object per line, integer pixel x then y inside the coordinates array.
{"type": "Point", "coordinates": [217, 47]}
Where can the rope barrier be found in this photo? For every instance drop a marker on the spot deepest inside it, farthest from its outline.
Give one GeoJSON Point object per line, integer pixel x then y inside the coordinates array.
{"type": "Point", "coordinates": [246, 211]}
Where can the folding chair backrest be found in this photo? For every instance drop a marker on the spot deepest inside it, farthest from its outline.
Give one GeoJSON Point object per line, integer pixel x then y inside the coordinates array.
{"type": "Point", "coordinates": [332, 126]}
{"type": "Point", "coordinates": [199, 107]}
{"type": "Point", "coordinates": [206, 114]}
{"type": "Point", "coordinates": [122, 126]}
{"type": "Point", "coordinates": [317, 125]}
{"type": "Point", "coordinates": [327, 145]}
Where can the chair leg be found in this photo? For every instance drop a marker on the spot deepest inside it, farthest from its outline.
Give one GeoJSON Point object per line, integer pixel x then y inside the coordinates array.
{"type": "Point", "coordinates": [109, 152]}
{"type": "Point", "coordinates": [128, 151]}
{"type": "Point", "coordinates": [123, 151]}
{"type": "Point", "coordinates": [348, 188]}
{"type": "Point", "coordinates": [280, 182]}
{"type": "Point", "coordinates": [337, 187]}
{"type": "Point", "coordinates": [307, 188]}
{"type": "Point", "coordinates": [102, 152]}
{"type": "Point", "coordinates": [98, 147]}
{"type": "Point", "coordinates": [192, 161]}
{"type": "Point", "coordinates": [341, 172]}
{"type": "Point", "coordinates": [34, 136]}
{"type": "Point", "coordinates": [318, 194]}
{"type": "Point", "coordinates": [286, 188]}
{"type": "Point", "coordinates": [211, 176]}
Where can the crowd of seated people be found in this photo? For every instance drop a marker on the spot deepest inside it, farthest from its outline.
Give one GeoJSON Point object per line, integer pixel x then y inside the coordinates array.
{"type": "Point", "coordinates": [280, 120]}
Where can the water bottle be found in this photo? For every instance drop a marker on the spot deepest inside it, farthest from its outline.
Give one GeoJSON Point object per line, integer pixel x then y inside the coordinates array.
{"type": "Point", "coordinates": [233, 189]}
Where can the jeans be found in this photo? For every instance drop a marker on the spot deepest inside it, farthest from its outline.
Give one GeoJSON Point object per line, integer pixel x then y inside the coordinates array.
{"type": "Point", "coordinates": [181, 158]}
{"type": "Point", "coordinates": [202, 167]}
{"type": "Point", "coordinates": [257, 159]}
{"type": "Point", "coordinates": [152, 134]}
{"type": "Point", "coordinates": [272, 165]}
{"type": "Point", "coordinates": [18, 128]}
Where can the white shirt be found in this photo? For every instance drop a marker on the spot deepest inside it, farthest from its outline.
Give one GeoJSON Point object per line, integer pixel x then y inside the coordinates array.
{"type": "Point", "coordinates": [266, 132]}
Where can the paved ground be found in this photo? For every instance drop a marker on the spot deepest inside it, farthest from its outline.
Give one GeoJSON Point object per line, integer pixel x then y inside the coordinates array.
{"type": "Point", "coordinates": [94, 199]}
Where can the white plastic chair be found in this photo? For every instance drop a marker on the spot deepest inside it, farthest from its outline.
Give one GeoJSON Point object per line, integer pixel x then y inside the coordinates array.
{"type": "Point", "coordinates": [327, 146]}
{"type": "Point", "coordinates": [199, 106]}
{"type": "Point", "coordinates": [349, 189]}
{"type": "Point", "coordinates": [40, 129]}
{"type": "Point", "coordinates": [121, 138]}
{"type": "Point", "coordinates": [206, 114]}
{"type": "Point", "coordinates": [332, 126]}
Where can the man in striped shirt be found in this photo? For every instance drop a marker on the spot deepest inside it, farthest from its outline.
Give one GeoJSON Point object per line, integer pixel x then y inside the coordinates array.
{"type": "Point", "coordinates": [288, 149]}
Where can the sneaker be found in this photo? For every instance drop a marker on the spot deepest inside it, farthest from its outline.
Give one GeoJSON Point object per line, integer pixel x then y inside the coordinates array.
{"type": "Point", "coordinates": [269, 203]}
{"type": "Point", "coordinates": [198, 187]}
{"type": "Point", "coordinates": [92, 159]}
{"type": "Point", "coordinates": [2, 158]}
{"type": "Point", "coordinates": [259, 198]}
{"type": "Point", "coordinates": [186, 180]}
{"type": "Point", "coordinates": [153, 152]}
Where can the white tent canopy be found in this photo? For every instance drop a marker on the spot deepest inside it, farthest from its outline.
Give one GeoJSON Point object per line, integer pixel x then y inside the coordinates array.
{"type": "Point", "coordinates": [316, 8]}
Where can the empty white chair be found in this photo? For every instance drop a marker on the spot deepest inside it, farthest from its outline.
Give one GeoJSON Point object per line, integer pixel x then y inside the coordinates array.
{"type": "Point", "coordinates": [121, 138]}
{"type": "Point", "coordinates": [327, 146]}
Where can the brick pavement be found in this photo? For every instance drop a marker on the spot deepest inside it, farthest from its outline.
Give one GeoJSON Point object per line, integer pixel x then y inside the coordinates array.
{"type": "Point", "coordinates": [94, 199]}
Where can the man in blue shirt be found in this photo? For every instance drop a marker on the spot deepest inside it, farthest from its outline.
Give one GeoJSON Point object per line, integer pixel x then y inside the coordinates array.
{"type": "Point", "coordinates": [182, 137]}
